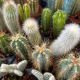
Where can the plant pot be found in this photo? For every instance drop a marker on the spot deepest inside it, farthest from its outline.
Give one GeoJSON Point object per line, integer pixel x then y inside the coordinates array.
{"type": "Point", "coordinates": [7, 31]}
{"type": "Point", "coordinates": [79, 14]}
{"type": "Point", "coordinates": [36, 16]}
{"type": "Point", "coordinates": [72, 18]}
{"type": "Point", "coordinates": [77, 47]}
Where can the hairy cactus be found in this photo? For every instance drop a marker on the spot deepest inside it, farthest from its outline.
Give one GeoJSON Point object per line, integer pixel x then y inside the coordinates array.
{"type": "Point", "coordinates": [46, 19]}
{"type": "Point", "coordinates": [10, 13]}
{"type": "Point", "coordinates": [31, 29]}
{"type": "Point", "coordinates": [70, 67]}
{"type": "Point", "coordinates": [17, 72]}
{"type": "Point", "coordinates": [24, 12]}
{"type": "Point", "coordinates": [59, 19]}
{"type": "Point", "coordinates": [67, 6]}
{"type": "Point", "coordinates": [34, 6]}
{"type": "Point", "coordinates": [67, 40]}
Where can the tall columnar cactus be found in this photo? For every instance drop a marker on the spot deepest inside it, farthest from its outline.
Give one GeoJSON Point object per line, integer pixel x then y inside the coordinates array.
{"type": "Point", "coordinates": [24, 12]}
{"type": "Point", "coordinates": [31, 29]}
{"type": "Point", "coordinates": [46, 19]}
{"type": "Point", "coordinates": [10, 13]}
{"type": "Point", "coordinates": [68, 68]}
{"type": "Point", "coordinates": [67, 6]}
{"type": "Point", "coordinates": [51, 5]}
{"type": "Point", "coordinates": [67, 40]}
{"type": "Point", "coordinates": [41, 57]}
{"type": "Point", "coordinates": [59, 19]}
{"type": "Point", "coordinates": [34, 6]}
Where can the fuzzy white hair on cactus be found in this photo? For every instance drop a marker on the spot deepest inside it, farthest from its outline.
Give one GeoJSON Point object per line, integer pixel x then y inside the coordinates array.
{"type": "Point", "coordinates": [52, 78]}
{"type": "Point", "coordinates": [67, 40]}
{"type": "Point", "coordinates": [17, 72]}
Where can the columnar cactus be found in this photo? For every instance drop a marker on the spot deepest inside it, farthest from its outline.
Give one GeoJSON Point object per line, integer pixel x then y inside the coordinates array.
{"type": "Point", "coordinates": [34, 6]}
{"type": "Point", "coordinates": [46, 19]}
{"type": "Point", "coordinates": [67, 40]}
{"type": "Point", "coordinates": [59, 19]}
{"type": "Point", "coordinates": [31, 29]}
{"type": "Point", "coordinates": [67, 6]}
{"type": "Point", "coordinates": [68, 68]}
{"type": "Point", "coordinates": [10, 13]}
{"type": "Point", "coordinates": [51, 5]}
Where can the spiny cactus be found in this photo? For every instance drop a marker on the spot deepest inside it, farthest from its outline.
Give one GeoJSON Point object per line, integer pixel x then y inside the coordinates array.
{"type": "Point", "coordinates": [41, 57]}
{"type": "Point", "coordinates": [67, 40]}
{"type": "Point", "coordinates": [31, 29]}
{"type": "Point", "coordinates": [34, 6]}
{"type": "Point", "coordinates": [46, 19]}
{"type": "Point", "coordinates": [45, 76]}
{"type": "Point", "coordinates": [24, 12]}
{"type": "Point", "coordinates": [59, 19]}
{"type": "Point", "coordinates": [10, 13]}
{"type": "Point", "coordinates": [68, 68]}
{"type": "Point", "coordinates": [67, 6]}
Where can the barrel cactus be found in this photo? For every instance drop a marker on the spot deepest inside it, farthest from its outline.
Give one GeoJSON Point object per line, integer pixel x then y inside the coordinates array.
{"type": "Point", "coordinates": [46, 19]}
{"type": "Point", "coordinates": [59, 19]}
{"type": "Point", "coordinates": [34, 6]}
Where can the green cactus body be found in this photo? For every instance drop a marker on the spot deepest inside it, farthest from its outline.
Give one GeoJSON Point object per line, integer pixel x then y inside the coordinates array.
{"type": "Point", "coordinates": [46, 19]}
{"type": "Point", "coordinates": [34, 6]}
{"type": "Point", "coordinates": [2, 60]}
{"type": "Point", "coordinates": [59, 19]}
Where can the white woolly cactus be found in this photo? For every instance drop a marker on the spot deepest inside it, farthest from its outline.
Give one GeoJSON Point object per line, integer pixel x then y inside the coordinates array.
{"type": "Point", "coordinates": [31, 29]}
{"type": "Point", "coordinates": [67, 40]}
{"type": "Point", "coordinates": [17, 72]}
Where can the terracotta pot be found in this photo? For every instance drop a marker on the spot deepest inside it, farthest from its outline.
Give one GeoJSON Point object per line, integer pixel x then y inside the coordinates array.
{"type": "Point", "coordinates": [72, 19]}
{"type": "Point", "coordinates": [79, 14]}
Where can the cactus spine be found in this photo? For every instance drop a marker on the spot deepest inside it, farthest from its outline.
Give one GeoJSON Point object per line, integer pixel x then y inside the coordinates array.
{"type": "Point", "coordinates": [10, 13]}
{"type": "Point", "coordinates": [59, 19]}
{"type": "Point", "coordinates": [46, 19]}
{"type": "Point", "coordinates": [34, 6]}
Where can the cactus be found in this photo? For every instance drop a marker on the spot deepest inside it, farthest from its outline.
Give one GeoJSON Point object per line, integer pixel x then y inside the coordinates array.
{"type": "Point", "coordinates": [46, 19]}
{"type": "Point", "coordinates": [34, 6]}
{"type": "Point", "coordinates": [17, 72]}
{"type": "Point", "coordinates": [2, 60]}
{"type": "Point", "coordinates": [59, 19]}
{"type": "Point", "coordinates": [25, 12]}
{"type": "Point", "coordinates": [68, 68]}
{"type": "Point", "coordinates": [67, 40]}
{"type": "Point", "coordinates": [10, 13]}
{"type": "Point", "coordinates": [67, 6]}
{"type": "Point", "coordinates": [41, 57]}
{"type": "Point", "coordinates": [31, 29]}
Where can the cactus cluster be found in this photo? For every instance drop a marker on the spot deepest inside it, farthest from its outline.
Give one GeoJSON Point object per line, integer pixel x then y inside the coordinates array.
{"type": "Point", "coordinates": [34, 6]}
{"type": "Point", "coordinates": [46, 19]}
{"type": "Point", "coordinates": [59, 19]}
{"type": "Point", "coordinates": [68, 68]}
{"type": "Point", "coordinates": [13, 68]}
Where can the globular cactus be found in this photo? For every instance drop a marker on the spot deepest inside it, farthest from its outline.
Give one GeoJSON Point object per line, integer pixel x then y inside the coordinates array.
{"type": "Point", "coordinates": [24, 12]}
{"type": "Point", "coordinates": [34, 6]}
{"type": "Point", "coordinates": [51, 5]}
{"type": "Point", "coordinates": [67, 6]}
{"type": "Point", "coordinates": [41, 57]}
{"type": "Point", "coordinates": [59, 19]}
{"type": "Point", "coordinates": [31, 29]}
{"type": "Point", "coordinates": [68, 68]}
{"type": "Point", "coordinates": [10, 13]}
{"type": "Point", "coordinates": [67, 40]}
{"type": "Point", "coordinates": [46, 19]}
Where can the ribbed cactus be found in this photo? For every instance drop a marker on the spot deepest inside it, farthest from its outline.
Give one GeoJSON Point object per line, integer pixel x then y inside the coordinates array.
{"type": "Point", "coordinates": [59, 19]}
{"type": "Point", "coordinates": [67, 6]}
{"type": "Point", "coordinates": [68, 68]}
{"type": "Point", "coordinates": [31, 29]}
{"type": "Point", "coordinates": [51, 5]}
{"type": "Point", "coordinates": [24, 12]}
{"type": "Point", "coordinates": [41, 57]}
{"type": "Point", "coordinates": [34, 6]}
{"type": "Point", "coordinates": [67, 40]}
{"type": "Point", "coordinates": [10, 13]}
{"type": "Point", "coordinates": [46, 19]}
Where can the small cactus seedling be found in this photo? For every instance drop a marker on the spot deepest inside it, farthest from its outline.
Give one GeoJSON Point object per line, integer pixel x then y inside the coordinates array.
{"type": "Point", "coordinates": [67, 40]}
{"type": "Point", "coordinates": [10, 13]}
{"type": "Point", "coordinates": [31, 29]}
{"type": "Point", "coordinates": [46, 19]}
{"type": "Point", "coordinates": [34, 6]}
{"type": "Point", "coordinates": [59, 19]}
{"type": "Point", "coordinates": [68, 68]}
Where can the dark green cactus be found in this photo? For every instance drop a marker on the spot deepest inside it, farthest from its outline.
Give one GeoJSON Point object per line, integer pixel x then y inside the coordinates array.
{"type": "Point", "coordinates": [46, 19]}
{"type": "Point", "coordinates": [59, 19]}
